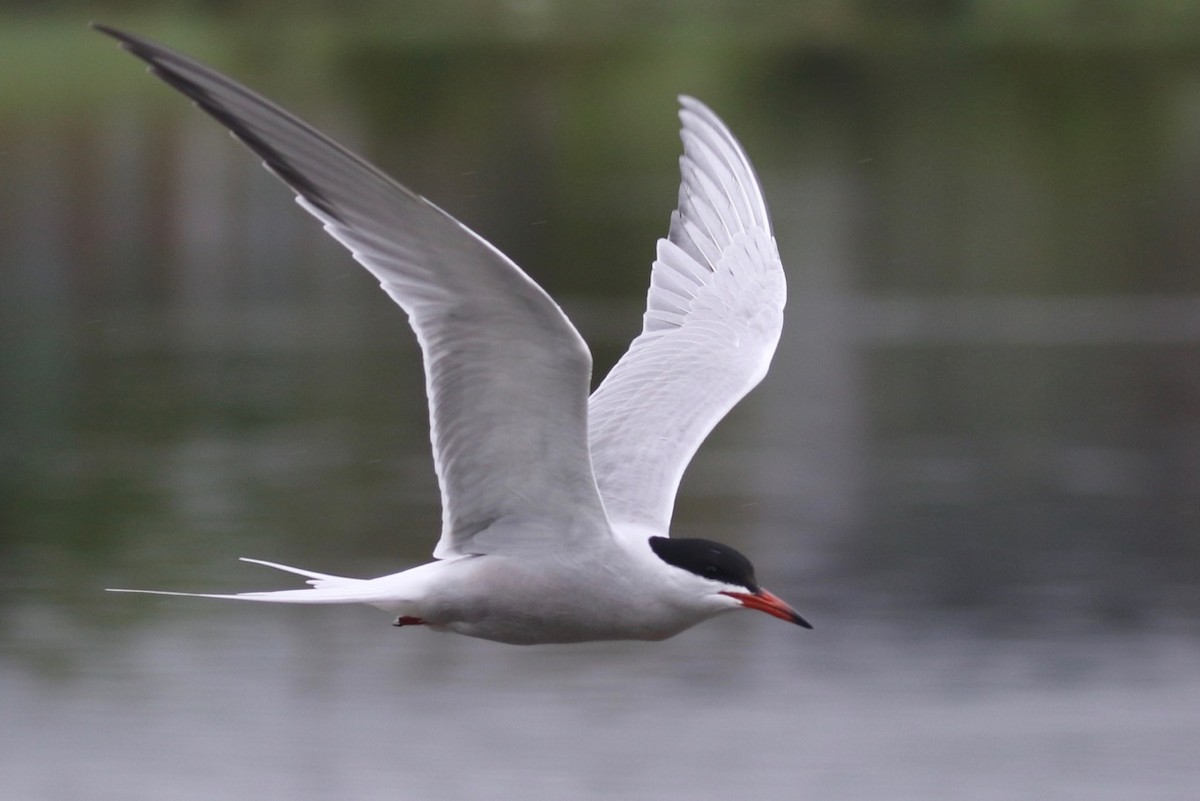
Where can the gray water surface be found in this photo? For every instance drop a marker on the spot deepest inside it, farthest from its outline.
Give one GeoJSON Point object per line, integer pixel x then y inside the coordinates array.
{"type": "Point", "coordinates": [325, 704]}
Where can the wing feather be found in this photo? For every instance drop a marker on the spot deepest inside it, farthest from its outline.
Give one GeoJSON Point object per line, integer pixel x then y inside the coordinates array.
{"type": "Point", "coordinates": [713, 317]}
{"type": "Point", "coordinates": [506, 372]}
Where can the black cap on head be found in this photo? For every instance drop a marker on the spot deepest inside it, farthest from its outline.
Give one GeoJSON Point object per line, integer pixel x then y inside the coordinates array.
{"type": "Point", "coordinates": [707, 559]}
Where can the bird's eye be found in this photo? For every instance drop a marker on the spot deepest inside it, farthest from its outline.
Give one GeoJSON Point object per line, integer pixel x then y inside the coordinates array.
{"type": "Point", "coordinates": [710, 571]}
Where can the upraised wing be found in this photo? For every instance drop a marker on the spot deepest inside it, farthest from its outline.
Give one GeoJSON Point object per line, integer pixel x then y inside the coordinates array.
{"type": "Point", "coordinates": [713, 318]}
{"type": "Point", "coordinates": [506, 372]}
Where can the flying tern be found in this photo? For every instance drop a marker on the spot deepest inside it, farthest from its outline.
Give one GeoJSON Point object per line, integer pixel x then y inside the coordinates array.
{"type": "Point", "coordinates": [555, 505]}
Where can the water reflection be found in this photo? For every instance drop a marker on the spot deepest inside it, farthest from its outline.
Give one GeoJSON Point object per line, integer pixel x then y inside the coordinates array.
{"type": "Point", "coordinates": [973, 465]}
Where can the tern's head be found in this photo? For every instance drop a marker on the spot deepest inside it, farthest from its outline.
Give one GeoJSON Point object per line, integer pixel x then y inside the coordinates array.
{"type": "Point", "coordinates": [723, 573]}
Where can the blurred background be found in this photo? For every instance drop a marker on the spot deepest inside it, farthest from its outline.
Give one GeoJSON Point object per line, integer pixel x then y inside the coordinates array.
{"type": "Point", "coordinates": [975, 465]}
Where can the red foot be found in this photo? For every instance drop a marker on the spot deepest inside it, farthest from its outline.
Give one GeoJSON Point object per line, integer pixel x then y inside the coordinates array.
{"type": "Point", "coordinates": [405, 620]}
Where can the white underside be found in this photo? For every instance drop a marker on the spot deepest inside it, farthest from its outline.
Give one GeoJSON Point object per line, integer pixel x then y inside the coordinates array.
{"type": "Point", "coordinates": [517, 600]}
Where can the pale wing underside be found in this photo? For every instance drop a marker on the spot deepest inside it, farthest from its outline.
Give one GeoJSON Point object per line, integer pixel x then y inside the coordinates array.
{"type": "Point", "coordinates": [713, 318]}
{"type": "Point", "coordinates": [506, 373]}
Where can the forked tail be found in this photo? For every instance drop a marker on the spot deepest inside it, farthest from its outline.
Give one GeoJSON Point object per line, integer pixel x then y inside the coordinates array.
{"type": "Point", "coordinates": [325, 589]}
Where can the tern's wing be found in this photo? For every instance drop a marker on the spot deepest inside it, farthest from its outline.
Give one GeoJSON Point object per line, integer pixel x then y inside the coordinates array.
{"type": "Point", "coordinates": [713, 318]}
{"type": "Point", "coordinates": [506, 373]}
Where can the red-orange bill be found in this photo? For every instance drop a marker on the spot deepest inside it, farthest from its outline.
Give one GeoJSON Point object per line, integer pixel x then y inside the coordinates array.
{"type": "Point", "coordinates": [770, 603]}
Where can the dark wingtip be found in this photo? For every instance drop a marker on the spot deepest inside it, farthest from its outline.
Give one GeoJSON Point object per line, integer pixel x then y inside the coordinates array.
{"type": "Point", "coordinates": [127, 41]}
{"type": "Point", "coordinates": [108, 30]}
{"type": "Point", "coordinates": [177, 71]}
{"type": "Point", "coordinates": [142, 48]}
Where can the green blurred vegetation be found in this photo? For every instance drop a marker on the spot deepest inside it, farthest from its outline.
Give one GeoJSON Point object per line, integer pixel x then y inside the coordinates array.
{"type": "Point", "coordinates": [842, 22]}
{"type": "Point", "coordinates": [39, 37]}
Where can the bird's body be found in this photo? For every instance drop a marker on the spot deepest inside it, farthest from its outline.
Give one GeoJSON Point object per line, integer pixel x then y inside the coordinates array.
{"type": "Point", "coordinates": [487, 597]}
{"type": "Point", "coordinates": [535, 598]}
{"type": "Point", "coordinates": [556, 505]}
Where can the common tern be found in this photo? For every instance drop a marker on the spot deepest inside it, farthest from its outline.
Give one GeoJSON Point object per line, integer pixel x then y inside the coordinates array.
{"type": "Point", "coordinates": [555, 505]}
